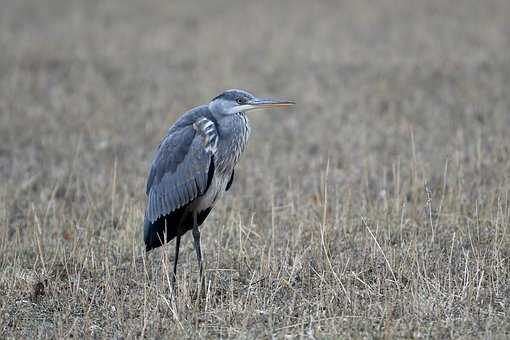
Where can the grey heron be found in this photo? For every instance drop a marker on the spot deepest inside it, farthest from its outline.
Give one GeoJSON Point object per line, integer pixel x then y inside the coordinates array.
{"type": "Point", "coordinates": [194, 165]}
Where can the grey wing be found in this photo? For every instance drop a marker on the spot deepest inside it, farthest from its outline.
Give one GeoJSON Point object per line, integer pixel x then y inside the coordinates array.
{"type": "Point", "coordinates": [181, 169]}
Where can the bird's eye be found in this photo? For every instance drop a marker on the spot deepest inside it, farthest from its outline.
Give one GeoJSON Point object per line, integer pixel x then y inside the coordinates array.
{"type": "Point", "coordinates": [241, 100]}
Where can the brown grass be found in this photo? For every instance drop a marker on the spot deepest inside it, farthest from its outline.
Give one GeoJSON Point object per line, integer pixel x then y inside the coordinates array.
{"type": "Point", "coordinates": [379, 207]}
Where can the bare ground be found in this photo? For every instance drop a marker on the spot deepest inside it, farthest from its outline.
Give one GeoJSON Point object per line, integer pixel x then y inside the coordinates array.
{"type": "Point", "coordinates": [379, 207]}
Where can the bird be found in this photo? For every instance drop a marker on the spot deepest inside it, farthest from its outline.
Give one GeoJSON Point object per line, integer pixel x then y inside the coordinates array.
{"type": "Point", "coordinates": [194, 166]}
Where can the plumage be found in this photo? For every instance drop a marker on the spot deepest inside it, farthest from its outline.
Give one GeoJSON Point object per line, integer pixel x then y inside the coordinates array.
{"type": "Point", "coordinates": [194, 165]}
{"type": "Point", "coordinates": [229, 184]}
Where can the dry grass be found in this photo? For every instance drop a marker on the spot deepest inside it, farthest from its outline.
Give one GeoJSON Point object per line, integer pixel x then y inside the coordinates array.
{"type": "Point", "coordinates": [378, 208]}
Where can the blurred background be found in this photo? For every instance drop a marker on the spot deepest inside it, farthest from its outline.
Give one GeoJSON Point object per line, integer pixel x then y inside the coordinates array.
{"type": "Point", "coordinates": [104, 79]}
{"type": "Point", "coordinates": [404, 104]}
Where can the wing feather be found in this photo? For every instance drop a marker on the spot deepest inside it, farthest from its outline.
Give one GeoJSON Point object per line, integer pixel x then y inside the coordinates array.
{"type": "Point", "coordinates": [180, 168]}
{"type": "Point", "coordinates": [166, 203]}
{"type": "Point", "coordinates": [189, 192]}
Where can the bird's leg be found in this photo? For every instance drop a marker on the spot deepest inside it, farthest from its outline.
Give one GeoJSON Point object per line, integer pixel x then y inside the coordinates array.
{"type": "Point", "coordinates": [196, 239]}
{"type": "Point", "coordinates": [177, 244]}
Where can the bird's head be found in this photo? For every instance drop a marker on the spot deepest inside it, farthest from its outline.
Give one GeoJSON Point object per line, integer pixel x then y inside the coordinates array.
{"type": "Point", "coordinates": [234, 101]}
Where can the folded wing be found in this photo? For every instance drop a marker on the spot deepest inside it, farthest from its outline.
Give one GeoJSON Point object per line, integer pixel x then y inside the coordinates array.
{"type": "Point", "coordinates": [181, 171]}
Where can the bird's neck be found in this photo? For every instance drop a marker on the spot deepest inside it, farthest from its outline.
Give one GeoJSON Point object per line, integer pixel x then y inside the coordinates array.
{"type": "Point", "coordinates": [234, 131]}
{"type": "Point", "coordinates": [233, 125]}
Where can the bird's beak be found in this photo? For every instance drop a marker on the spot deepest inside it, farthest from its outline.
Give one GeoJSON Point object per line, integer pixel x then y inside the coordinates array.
{"type": "Point", "coordinates": [257, 103]}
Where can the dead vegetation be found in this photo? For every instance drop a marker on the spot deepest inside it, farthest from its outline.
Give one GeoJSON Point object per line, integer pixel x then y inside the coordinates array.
{"type": "Point", "coordinates": [378, 208]}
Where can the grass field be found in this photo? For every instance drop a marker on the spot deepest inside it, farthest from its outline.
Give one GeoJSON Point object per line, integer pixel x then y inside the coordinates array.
{"type": "Point", "coordinates": [379, 207]}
